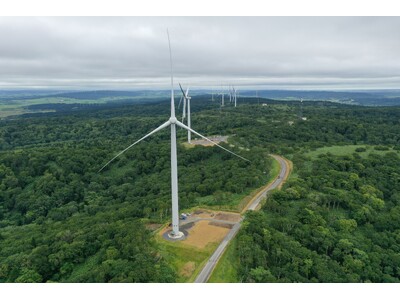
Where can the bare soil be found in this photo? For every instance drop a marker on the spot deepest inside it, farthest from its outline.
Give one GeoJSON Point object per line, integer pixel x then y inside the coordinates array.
{"type": "Point", "coordinates": [224, 225]}
{"type": "Point", "coordinates": [203, 233]}
{"type": "Point", "coordinates": [215, 139]}
{"type": "Point", "coordinates": [232, 217]}
{"type": "Point", "coordinates": [204, 214]}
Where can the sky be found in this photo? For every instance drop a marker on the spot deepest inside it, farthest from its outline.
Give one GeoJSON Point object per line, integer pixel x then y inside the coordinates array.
{"type": "Point", "coordinates": [124, 53]}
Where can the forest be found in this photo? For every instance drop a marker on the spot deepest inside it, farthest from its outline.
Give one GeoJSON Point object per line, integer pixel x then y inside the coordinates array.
{"type": "Point", "coordinates": [63, 221]}
{"type": "Point", "coordinates": [338, 221]}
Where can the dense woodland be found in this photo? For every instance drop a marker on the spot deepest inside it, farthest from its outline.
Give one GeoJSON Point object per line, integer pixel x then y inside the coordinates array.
{"type": "Point", "coordinates": [338, 221]}
{"type": "Point", "coordinates": [62, 220]}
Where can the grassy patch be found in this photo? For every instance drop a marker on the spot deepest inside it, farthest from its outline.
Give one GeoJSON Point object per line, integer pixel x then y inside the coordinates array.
{"type": "Point", "coordinates": [226, 269]}
{"type": "Point", "coordinates": [18, 106]}
{"type": "Point", "coordinates": [20, 111]}
{"type": "Point", "coordinates": [276, 167]}
{"type": "Point", "coordinates": [187, 145]}
{"type": "Point", "coordinates": [180, 256]}
{"type": "Point", "coordinates": [346, 150]}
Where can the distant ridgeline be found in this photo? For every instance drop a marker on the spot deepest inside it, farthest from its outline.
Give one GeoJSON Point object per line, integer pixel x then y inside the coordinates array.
{"type": "Point", "coordinates": [82, 95]}
{"type": "Point", "coordinates": [369, 98]}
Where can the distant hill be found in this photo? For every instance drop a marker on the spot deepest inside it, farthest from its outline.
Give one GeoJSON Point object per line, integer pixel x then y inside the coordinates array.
{"type": "Point", "coordinates": [368, 98]}
{"type": "Point", "coordinates": [92, 95]}
{"type": "Point", "coordinates": [79, 95]}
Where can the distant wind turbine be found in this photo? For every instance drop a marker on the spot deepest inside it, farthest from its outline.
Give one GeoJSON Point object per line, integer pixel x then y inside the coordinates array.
{"type": "Point", "coordinates": [235, 92]}
{"type": "Point", "coordinates": [222, 98]}
{"type": "Point", "coordinates": [301, 108]}
{"type": "Point", "coordinates": [187, 98]}
{"type": "Point", "coordinates": [172, 121]}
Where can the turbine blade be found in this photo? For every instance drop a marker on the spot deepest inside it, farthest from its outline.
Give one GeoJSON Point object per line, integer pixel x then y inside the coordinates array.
{"type": "Point", "coordinates": [182, 91]}
{"type": "Point", "coordinates": [172, 78]}
{"type": "Point", "coordinates": [147, 135]}
{"type": "Point", "coordinates": [202, 136]}
{"type": "Point", "coordinates": [180, 102]}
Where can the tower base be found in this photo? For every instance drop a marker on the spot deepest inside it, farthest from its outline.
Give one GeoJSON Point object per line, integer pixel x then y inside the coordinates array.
{"type": "Point", "coordinates": [169, 236]}
{"type": "Point", "coordinates": [174, 236]}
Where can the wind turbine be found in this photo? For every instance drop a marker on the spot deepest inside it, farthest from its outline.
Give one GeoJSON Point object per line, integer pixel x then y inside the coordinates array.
{"type": "Point", "coordinates": [222, 97]}
{"type": "Point", "coordinates": [234, 95]}
{"type": "Point", "coordinates": [172, 122]}
{"type": "Point", "coordinates": [301, 108]}
{"type": "Point", "coordinates": [187, 98]}
{"type": "Point", "coordinates": [258, 99]}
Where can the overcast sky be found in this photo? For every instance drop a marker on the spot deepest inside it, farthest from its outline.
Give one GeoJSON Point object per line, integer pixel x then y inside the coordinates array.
{"type": "Point", "coordinates": [266, 52]}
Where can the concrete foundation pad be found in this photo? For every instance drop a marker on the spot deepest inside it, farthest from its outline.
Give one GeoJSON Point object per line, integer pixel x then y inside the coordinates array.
{"type": "Point", "coordinates": [169, 237]}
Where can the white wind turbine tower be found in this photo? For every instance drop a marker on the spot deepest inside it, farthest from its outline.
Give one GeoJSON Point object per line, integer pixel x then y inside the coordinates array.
{"type": "Point", "coordinates": [301, 108]}
{"type": "Point", "coordinates": [234, 95]}
{"type": "Point", "coordinates": [187, 98]}
{"type": "Point", "coordinates": [258, 99]}
{"type": "Point", "coordinates": [222, 98]}
{"type": "Point", "coordinates": [172, 122]}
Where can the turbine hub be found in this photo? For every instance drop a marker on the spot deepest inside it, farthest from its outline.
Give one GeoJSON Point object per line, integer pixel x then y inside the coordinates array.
{"type": "Point", "coordinates": [172, 120]}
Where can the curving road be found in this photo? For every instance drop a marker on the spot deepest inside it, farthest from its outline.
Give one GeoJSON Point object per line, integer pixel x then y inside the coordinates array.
{"type": "Point", "coordinates": [205, 273]}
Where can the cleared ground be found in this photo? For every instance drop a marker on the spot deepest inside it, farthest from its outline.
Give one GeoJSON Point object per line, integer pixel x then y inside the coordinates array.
{"type": "Point", "coordinates": [217, 215]}
{"type": "Point", "coordinates": [205, 227]}
{"type": "Point", "coordinates": [203, 233]}
{"type": "Point", "coordinates": [232, 217]}
{"type": "Point", "coordinates": [216, 139]}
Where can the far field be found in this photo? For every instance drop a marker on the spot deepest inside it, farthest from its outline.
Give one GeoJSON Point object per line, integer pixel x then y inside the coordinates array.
{"type": "Point", "coordinates": [362, 150]}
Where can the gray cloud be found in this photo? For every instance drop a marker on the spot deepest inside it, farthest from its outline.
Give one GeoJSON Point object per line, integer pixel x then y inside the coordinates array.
{"type": "Point", "coordinates": [132, 52]}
